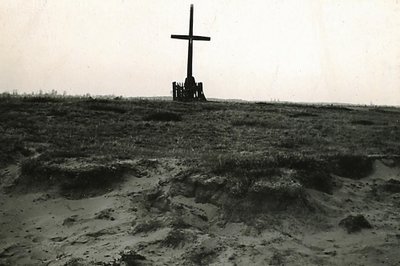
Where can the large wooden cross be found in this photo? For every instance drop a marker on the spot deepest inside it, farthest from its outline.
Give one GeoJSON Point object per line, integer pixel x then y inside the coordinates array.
{"type": "Point", "coordinates": [190, 81]}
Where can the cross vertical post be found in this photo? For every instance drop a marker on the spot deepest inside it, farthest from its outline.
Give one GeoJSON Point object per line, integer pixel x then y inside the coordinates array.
{"type": "Point", "coordinates": [190, 45]}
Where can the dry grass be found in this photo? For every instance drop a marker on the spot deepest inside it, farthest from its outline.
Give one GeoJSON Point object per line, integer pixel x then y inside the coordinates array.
{"type": "Point", "coordinates": [241, 140]}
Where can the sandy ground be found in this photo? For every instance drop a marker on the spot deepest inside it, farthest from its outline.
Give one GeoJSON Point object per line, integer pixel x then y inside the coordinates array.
{"type": "Point", "coordinates": [140, 222]}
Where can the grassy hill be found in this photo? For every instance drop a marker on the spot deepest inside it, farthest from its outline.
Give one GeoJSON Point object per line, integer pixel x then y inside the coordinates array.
{"type": "Point", "coordinates": [233, 163]}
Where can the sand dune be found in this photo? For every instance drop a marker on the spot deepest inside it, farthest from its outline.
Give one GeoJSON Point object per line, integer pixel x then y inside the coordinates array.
{"type": "Point", "coordinates": [144, 221]}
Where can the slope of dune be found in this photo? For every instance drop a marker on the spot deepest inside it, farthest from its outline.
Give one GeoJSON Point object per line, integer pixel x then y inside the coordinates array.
{"type": "Point", "coordinates": [88, 182]}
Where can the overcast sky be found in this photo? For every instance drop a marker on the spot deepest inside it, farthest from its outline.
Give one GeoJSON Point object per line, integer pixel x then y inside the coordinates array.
{"type": "Point", "coordinates": [308, 51]}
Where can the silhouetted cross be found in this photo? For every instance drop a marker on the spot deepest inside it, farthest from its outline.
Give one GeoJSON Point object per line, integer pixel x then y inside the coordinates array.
{"type": "Point", "coordinates": [191, 38]}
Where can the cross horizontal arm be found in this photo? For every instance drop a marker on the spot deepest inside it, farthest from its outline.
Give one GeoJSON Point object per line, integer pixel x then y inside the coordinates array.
{"type": "Point", "coordinates": [201, 38]}
{"type": "Point", "coordinates": [182, 37]}
{"type": "Point", "coordinates": [188, 37]}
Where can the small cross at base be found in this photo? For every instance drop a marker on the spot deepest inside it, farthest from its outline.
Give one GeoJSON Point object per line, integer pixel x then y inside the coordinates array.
{"type": "Point", "coordinates": [190, 90]}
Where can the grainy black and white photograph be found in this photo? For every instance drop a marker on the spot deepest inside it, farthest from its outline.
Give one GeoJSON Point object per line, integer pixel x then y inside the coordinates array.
{"type": "Point", "coordinates": [182, 132]}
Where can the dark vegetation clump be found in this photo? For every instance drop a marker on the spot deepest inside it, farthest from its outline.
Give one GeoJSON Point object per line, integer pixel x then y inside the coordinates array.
{"type": "Point", "coordinates": [265, 103]}
{"type": "Point", "coordinates": [11, 149]}
{"type": "Point", "coordinates": [311, 172]}
{"type": "Point", "coordinates": [163, 117]}
{"type": "Point", "coordinates": [355, 223]}
{"type": "Point", "coordinates": [317, 179]}
{"type": "Point", "coordinates": [174, 239]}
{"type": "Point", "coordinates": [363, 122]}
{"type": "Point", "coordinates": [352, 166]}
{"type": "Point", "coordinates": [92, 177]}
{"type": "Point", "coordinates": [41, 99]}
